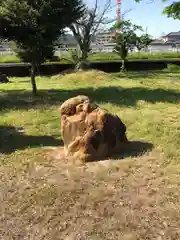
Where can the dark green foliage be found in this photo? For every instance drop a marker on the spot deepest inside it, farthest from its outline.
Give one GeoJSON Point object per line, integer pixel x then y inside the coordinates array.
{"type": "Point", "coordinates": [173, 10]}
{"type": "Point", "coordinates": [36, 24]}
{"type": "Point", "coordinates": [125, 37]}
{"type": "Point", "coordinates": [143, 41]}
{"type": "Point", "coordinates": [29, 55]}
{"type": "Point", "coordinates": [173, 68]}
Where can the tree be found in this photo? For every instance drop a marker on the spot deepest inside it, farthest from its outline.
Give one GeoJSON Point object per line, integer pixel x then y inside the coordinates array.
{"type": "Point", "coordinates": [173, 10]}
{"type": "Point", "coordinates": [36, 25]}
{"type": "Point", "coordinates": [125, 37]}
{"type": "Point", "coordinates": [86, 28]}
{"type": "Point", "coordinates": [143, 41]}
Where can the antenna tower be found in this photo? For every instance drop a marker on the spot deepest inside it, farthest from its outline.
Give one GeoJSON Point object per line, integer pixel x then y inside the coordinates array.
{"type": "Point", "coordinates": [118, 10]}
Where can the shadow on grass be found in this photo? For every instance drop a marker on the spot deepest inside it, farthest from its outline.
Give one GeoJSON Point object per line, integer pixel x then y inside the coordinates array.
{"type": "Point", "coordinates": [131, 150]}
{"type": "Point", "coordinates": [144, 75]}
{"type": "Point", "coordinates": [138, 75]}
{"type": "Point", "coordinates": [12, 139]}
{"type": "Point", "coordinates": [22, 99]}
{"type": "Point", "coordinates": [135, 149]}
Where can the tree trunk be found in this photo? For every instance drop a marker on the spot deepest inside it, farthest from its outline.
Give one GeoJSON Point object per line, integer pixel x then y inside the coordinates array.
{"type": "Point", "coordinates": [124, 53]}
{"type": "Point", "coordinates": [123, 65]}
{"type": "Point", "coordinates": [33, 80]}
{"type": "Point", "coordinates": [84, 55]}
{"type": "Point", "coordinates": [83, 63]}
{"type": "Point", "coordinates": [82, 66]}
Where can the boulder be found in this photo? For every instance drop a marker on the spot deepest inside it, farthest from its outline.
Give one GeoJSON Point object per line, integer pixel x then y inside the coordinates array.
{"type": "Point", "coordinates": [3, 78]}
{"type": "Point", "coordinates": [90, 132]}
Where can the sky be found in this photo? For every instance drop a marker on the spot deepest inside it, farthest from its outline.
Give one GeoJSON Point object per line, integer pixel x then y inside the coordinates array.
{"type": "Point", "coordinates": [148, 14]}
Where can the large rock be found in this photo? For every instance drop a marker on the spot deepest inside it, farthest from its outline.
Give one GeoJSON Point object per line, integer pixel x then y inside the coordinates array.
{"type": "Point", "coordinates": [90, 132]}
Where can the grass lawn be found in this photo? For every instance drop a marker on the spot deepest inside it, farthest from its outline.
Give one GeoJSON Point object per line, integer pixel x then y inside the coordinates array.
{"type": "Point", "coordinates": [105, 57]}
{"type": "Point", "coordinates": [9, 59]}
{"type": "Point", "coordinates": [135, 55]}
{"type": "Point", "coordinates": [135, 197]}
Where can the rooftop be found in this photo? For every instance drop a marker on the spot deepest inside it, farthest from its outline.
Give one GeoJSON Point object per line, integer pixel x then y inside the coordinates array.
{"type": "Point", "coordinates": [173, 34]}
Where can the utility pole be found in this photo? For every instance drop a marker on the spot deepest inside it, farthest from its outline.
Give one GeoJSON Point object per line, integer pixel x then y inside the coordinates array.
{"type": "Point", "coordinates": [147, 30]}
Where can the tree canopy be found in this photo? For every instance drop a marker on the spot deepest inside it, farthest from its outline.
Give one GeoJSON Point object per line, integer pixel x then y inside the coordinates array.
{"type": "Point", "coordinates": [173, 10]}
{"type": "Point", "coordinates": [36, 24]}
{"type": "Point", "coordinates": [143, 41]}
{"type": "Point", "coordinates": [90, 23]}
{"type": "Point", "coordinates": [124, 38]}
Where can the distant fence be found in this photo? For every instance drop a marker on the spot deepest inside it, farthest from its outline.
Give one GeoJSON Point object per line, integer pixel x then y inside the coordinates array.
{"type": "Point", "coordinates": [104, 49]}
{"type": "Point", "coordinates": [7, 52]}
{"type": "Point", "coordinates": [23, 69]}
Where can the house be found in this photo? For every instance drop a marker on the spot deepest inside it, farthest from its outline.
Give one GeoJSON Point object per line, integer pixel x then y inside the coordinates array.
{"type": "Point", "coordinates": [172, 37]}
{"type": "Point", "coordinates": [159, 45]}
{"type": "Point", "coordinates": [169, 42]}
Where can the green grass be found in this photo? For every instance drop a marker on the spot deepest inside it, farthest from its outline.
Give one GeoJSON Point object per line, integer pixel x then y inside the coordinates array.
{"type": "Point", "coordinates": [141, 55]}
{"type": "Point", "coordinates": [9, 59]}
{"type": "Point", "coordinates": [137, 197]}
{"type": "Point", "coordinates": [106, 56]}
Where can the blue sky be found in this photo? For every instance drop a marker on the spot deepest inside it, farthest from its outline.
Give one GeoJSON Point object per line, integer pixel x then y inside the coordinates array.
{"type": "Point", "coordinates": [147, 15]}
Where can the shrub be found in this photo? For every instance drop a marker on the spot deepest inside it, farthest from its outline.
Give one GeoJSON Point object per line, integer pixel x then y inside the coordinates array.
{"type": "Point", "coordinates": [173, 68]}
